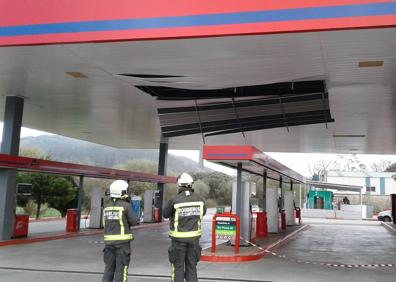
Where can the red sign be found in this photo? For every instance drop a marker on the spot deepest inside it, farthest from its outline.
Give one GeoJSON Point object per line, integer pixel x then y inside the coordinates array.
{"type": "Point", "coordinates": [29, 22]}
{"type": "Point", "coordinates": [228, 152]}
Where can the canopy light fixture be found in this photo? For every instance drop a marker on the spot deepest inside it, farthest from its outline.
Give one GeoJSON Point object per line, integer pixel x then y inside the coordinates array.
{"type": "Point", "coordinates": [76, 74]}
{"type": "Point", "coordinates": [349, 135]}
{"type": "Point", "coordinates": [369, 64]}
{"type": "Point", "coordinates": [139, 75]}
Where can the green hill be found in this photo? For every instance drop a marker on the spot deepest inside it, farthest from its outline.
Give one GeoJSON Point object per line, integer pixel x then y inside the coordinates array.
{"type": "Point", "coordinates": [76, 151]}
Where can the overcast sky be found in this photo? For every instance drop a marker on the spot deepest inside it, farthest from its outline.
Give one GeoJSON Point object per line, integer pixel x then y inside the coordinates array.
{"type": "Point", "coordinates": [297, 161]}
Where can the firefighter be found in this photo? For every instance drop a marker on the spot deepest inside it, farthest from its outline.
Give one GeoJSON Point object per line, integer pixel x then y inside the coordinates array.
{"type": "Point", "coordinates": [185, 211]}
{"type": "Point", "coordinates": [118, 217]}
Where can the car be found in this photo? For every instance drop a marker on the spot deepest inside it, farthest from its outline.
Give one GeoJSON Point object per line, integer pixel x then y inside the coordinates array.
{"type": "Point", "coordinates": [385, 216]}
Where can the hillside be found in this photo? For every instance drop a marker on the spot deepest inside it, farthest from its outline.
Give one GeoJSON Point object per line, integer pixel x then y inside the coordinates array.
{"type": "Point", "coordinates": [76, 151]}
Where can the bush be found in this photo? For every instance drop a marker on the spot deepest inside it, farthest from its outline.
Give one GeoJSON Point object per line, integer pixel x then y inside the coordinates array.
{"type": "Point", "coordinates": [201, 189]}
{"type": "Point", "coordinates": [31, 209]}
{"type": "Point", "coordinates": [211, 203]}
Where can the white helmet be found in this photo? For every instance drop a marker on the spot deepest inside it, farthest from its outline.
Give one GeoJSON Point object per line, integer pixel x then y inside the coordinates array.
{"type": "Point", "coordinates": [185, 180]}
{"type": "Point", "coordinates": [118, 189]}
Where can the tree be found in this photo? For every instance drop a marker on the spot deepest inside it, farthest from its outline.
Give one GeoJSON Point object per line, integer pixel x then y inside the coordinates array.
{"type": "Point", "coordinates": [381, 165]}
{"type": "Point", "coordinates": [391, 168]}
{"type": "Point", "coordinates": [62, 194]}
{"type": "Point", "coordinates": [146, 166]}
{"type": "Point", "coordinates": [216, 186]}
{"type": "Point", "coordinates": [319, 169]}
{"type": "Point", "coordinates": [40, 188]}
{"type": "Point", "coordinates": [350, 162]}
{"type": "Point", "coordinates": [57, 191]}
{"type": "Point", "coordinates": [201, 188]}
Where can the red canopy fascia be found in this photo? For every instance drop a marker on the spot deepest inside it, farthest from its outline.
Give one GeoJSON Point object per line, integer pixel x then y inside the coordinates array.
{"type": "Point", "coordinates": [253, 160]}
{"type": "Point", "coordinates": [53, 167]}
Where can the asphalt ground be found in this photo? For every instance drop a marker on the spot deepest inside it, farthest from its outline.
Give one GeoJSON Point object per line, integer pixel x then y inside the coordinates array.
{"type": "Point", "coordinates": [334, 242]}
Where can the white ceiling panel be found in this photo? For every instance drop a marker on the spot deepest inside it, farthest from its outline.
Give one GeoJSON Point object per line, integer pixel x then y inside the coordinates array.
{"type": "Point", "coordinates": [107, 108]}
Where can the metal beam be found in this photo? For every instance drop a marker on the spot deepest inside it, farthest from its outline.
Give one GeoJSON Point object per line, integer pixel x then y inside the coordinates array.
{"type": "Point", "coordinates": [239, 189]}
{"type": "Point", "coordinates": [282, 204]}
{"type": "Point", "coordinates": [300, 196]}
{"type": "Point", "coordinates": [162, 167]}
{"type": "Point", "coordinates": [9, 145]}
{"type": "Point", "coordinates": [52, 167]}
{"type": "Point", "coordinates": [265, 191]}
{"type": "Point", "coordinates": [80, 201]}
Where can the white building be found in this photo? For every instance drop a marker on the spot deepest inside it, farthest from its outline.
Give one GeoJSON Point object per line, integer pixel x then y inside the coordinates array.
{"type": "Point", "coordinates": [375, 183]}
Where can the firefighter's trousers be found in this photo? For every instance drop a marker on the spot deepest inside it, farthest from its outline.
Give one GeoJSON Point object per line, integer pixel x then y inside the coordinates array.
{"type": "Point", "coordinates": [184, 256]}
{"type": "Point", "coordinates": [116, 259]}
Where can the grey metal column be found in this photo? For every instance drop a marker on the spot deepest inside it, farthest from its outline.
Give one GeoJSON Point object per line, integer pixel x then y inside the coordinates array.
{"type": "Point", "coordinates": [239, 190]}
{"type": "Point", "coordinates": [201, 160]}
{"type": "Point", "coordinates": [265, 191]}
{"type": "Point", "coordinates": [162, 166]}
{"type": "Point", "coordinates": [300, 197]}
{"type": "Point", "coordinates": [282, 204]}
{"type": "Point", "coordinates": [9, 145]}
{"type": "Point", "coordinates": [80, 201]}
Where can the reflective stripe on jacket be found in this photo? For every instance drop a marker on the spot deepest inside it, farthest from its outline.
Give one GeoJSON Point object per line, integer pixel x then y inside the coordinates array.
{"type": "Point", "coordinates": [186, 211]}
{"type": "Point", "coordinates": [117, 220]}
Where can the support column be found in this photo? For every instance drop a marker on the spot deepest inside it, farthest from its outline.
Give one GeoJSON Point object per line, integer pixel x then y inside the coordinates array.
{"type": "Point", "coordinates": [282, 204]}
{"type": "Point", "coordinates": [243, 206]}
{"type": "Point", "coordinates": [361, 204]}
{"type": "Point", "coordinates": [162, 167]}
{"type": "Point", "coordinates": [265, 191]}
{"type": "Point", "coordinates": [239, 190]}
{"type": "Point", "coordinates": [272, 210]}
{"type": "Point", "coordinates": [10, 145]}
{"type": "Point", "coordinates": [300, 197]}
{"type": "Point", "coordinates": [201, 160]}
{"type": "Point", "coordinates": [80, 201]}
{"type": "Point", "coordinates": [289, 207]}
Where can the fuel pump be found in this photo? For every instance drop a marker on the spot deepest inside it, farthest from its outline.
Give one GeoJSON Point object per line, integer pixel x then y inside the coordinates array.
{"type": "Point", "coordinates": [97, 202]}
{"type": "Point", "coordinates": [151, 213]}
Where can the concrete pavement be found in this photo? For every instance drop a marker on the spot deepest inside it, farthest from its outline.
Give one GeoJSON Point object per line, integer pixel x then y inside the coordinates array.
{"type": "Point", "coordinates": [80, 259]}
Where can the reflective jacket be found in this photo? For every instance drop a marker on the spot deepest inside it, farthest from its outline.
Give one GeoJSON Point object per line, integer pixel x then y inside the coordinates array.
{"type": "Point", "coordinates": [185, 211]}
{"type": "Point", "coordinates": [118, 217]}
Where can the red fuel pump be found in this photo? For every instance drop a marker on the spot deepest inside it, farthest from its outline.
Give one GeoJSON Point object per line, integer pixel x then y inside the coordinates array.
{"type": "Point", "coordinates": [156, 215]}
{"type": "Point", "coordinates": [283, 220]}
{"type": "Point", "coordinates": [71, 220]}
{"type": "Point", "coordinates": [262, 229]}
{"type": "Point", "coordinates": [298, 214]}
{"type": "Point", "coordinates": [21, 225]}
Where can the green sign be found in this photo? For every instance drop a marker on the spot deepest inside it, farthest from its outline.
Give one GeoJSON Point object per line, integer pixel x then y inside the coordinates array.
{"type": "Point", "coordinates": [225, 228]}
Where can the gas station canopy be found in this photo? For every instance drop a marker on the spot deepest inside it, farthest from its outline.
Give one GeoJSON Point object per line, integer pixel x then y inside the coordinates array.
{"type": "Point", "coordinates": [252, 160]}
{"type": "Point", "coordinates": [284, 76]}
{"type": "Point", "coordinates": [334, 186]}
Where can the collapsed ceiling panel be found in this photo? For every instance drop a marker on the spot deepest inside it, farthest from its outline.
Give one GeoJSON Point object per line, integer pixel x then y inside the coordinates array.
{"type": "Point", "coordinates": [283, 88]}
{"type": "Point", "coordinates": [249, 108]}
